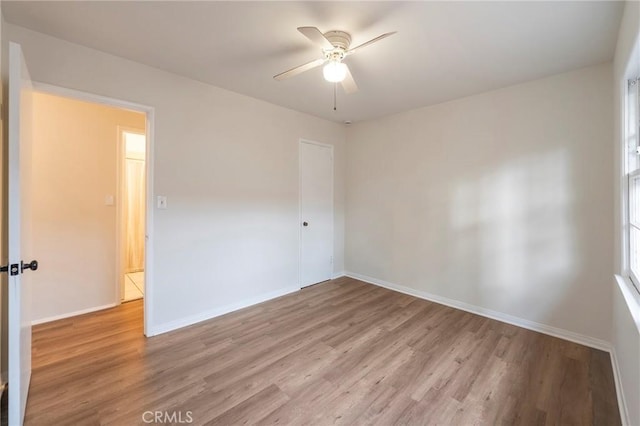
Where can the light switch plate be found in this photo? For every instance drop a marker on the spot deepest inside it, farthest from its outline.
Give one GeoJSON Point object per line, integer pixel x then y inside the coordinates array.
{"type": "Point", "coordinates": [162, 202]}
{"type": "Point", "coordinates": [108, 200]}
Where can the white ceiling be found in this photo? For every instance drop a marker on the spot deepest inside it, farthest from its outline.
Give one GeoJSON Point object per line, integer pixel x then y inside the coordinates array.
{"type": "Point", "coordinates": [443, 50]}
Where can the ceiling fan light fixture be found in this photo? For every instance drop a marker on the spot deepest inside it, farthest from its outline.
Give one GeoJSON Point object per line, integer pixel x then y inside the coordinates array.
{"type": "Point", "coordinates": [334, 71]}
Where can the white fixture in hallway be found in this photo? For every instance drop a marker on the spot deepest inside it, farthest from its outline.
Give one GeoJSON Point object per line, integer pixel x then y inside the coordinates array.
{"type": "Point", "coordinates": [133, 286]}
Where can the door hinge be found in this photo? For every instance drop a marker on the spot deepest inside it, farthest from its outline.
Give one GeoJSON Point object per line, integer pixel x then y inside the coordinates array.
{"type": "Point", "coordinates": [13, 269]}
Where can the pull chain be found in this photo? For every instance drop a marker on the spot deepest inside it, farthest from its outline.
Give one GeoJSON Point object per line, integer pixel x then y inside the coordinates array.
{"type": "Point", "coordinates": [335, 90]}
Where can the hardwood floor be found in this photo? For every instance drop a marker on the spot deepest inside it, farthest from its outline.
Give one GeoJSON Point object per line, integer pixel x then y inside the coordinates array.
{"type": "Point", "coordinates": [342, 352]}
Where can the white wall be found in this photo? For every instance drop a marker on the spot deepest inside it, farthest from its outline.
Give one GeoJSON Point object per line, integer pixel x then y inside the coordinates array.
{"type": "Point", "coordinates": [625, 334]}
{"type": "Point", "coordinates": [74, 160]}
{"type": "Point", "coordinates": [501, 201]}
{"type": "Point", "coordinates": [229, 167]}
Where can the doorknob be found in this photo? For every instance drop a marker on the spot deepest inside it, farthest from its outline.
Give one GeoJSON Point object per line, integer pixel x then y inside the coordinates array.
{"type": "Point", "coordinates": [305, 224]}
{"type": "Point", "coordinates": [33, 265]}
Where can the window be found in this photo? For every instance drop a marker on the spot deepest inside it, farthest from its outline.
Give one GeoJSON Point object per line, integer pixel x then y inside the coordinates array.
{"type": "Point", "coordinates": [633, 180]}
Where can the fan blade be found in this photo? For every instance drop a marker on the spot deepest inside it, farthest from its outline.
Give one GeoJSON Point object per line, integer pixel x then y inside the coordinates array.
{"type": "Point", "coordinates": [316, 36]}
{"type": "Point", "coordinates": [349, 84]}
{"type": "Point", "coordinates": [299, 69]}
{"type": "Point", "coordinates": [351, 51]}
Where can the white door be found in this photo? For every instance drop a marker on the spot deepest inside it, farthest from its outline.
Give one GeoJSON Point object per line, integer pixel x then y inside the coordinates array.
{"type": "Point", "coordinates": [316, 213]}
{"type": "Point", "coordinates": [19, 221]}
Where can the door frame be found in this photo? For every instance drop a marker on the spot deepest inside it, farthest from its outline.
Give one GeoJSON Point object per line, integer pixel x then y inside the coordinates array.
{"type": "Point", "coordinates": [149, 112]}
{"type": "Point", "coordinates": [333, 219]}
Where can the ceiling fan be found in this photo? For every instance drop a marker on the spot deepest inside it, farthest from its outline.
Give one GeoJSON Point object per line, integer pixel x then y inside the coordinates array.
{"type": "Point", "coordinates": [335, 48]}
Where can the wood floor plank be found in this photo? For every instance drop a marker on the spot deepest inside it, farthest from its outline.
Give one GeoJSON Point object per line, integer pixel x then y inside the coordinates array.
{"type": "Point", "coordinates": [602, 385]}
{"type": "Point", "coordinates": [340, 352]}
{"type": "Point", "coordinates": [302, 406]}
{"type": "Point", "coordinates": [253, 409]}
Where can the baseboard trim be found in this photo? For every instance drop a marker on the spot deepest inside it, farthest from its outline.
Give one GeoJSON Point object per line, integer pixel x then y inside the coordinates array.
{"type": "Point", "coordinates": [207, 315]}
{"type": "Point", "coordinates": [73, 314]}
{"type": "Point", "coordinates": [617, 378]}
{"type": "Point", "coordinates": [488, 313]}
{"type": "Point", "coordinates": [338, 275]}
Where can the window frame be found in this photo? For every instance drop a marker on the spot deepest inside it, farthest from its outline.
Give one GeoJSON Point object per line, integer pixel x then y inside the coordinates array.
{"type": "Point", "coordinates": [633, 276]}
{"type": "Point", "coordinates": [632, 130]}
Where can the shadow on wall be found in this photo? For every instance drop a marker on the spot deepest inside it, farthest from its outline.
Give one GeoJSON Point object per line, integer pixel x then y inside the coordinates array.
{"type": "Point", "coordinates": [502, 201]}
{"type": "Point", "coordinates": [514, 227]}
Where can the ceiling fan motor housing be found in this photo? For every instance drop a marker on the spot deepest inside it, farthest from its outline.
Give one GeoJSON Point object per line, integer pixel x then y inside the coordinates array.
{"type": "Point", "coordinates": [339, 39]}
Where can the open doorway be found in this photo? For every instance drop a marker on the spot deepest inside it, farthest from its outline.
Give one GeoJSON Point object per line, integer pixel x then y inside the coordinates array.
{"type": "Point", "coordinates": [92, 161]}
{"type": "Point", "coordinates": [132, 212]}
